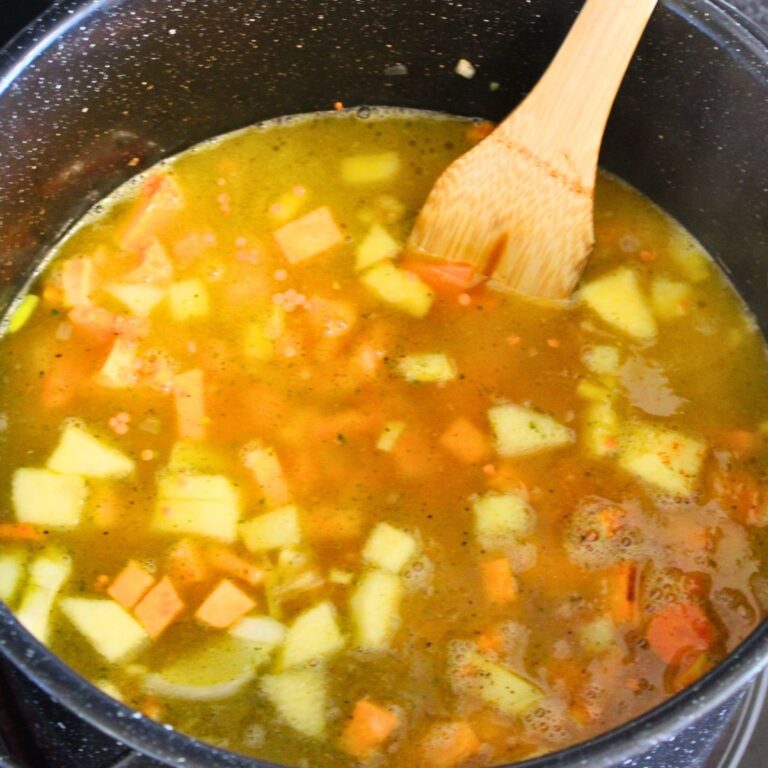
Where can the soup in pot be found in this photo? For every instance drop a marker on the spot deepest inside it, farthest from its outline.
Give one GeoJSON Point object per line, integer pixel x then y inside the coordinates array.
{"type": "Point", "coordinates": [277, 483]}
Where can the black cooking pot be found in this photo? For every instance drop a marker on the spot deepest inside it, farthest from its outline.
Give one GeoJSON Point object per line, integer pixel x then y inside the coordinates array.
{"type": "Point", "coordinates": [96, 91]}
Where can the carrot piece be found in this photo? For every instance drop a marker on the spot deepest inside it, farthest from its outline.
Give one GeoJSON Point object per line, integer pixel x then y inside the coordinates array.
{"type": "Point", "coordinates": [741, 441]}
{"type": "Point", "coordinates": [465, 441]}
{"type": "Point", "coordinates": [739, 491]}
{"type": "Point", "coordinates": [159, 198]}
{"type": "Point", "coordinates": [490, 640]}
{"type": "Point", "coordinates": [187, 563]}
{"type": "Point", "coordinates": [679, 628]}
{"type": "Point", "coordinates": [77, 282]}
{"type": "Point", "coordinates": [478, 131]}
{"type": "Point", "coordinates": [223, 559]}
{"type": "Point", "coordinates": [20, 532]}
{"type": "Point", "coordinates": [449, 744]}
{"type": "Point", "coordinates": [308, 236]}
{"type": "Point", "coordinates": [95, 321]}
{"type": "Point", "coordinates": [131, 584]}
{"type": "Point", "coordinates": [159, 608]}
{"type": "Point", "coordinates": [333, 524]}
{"type": "Point", "coordinates": [155, 267]}
{"type": "Point", "coordinates": [623, 594]}
{"type": "Point", "coordinates": [189, 397]}
{"type": "Point", "coordinates": [448, 277]}
{"type": "Point", "coordinates": [499, 582]}
{"type": "Point", "coordinates": [224, 605]}
{"type": "Point", "coordinates": [368, 728]}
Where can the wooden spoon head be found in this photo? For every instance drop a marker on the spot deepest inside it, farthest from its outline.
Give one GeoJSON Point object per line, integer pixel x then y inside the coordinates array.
{"type": "Point", "coordinates": [526, 220]}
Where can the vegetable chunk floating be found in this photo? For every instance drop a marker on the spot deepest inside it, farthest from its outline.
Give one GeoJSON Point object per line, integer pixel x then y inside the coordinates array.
{"type": "Point", "coordinates": [521, 430]}
{"type": "Point", "coordinates": [290, 486]}
{"type": "Point", "coordinates": [205, 505]}
{"type": "Point", "coordinates": [311, 235]}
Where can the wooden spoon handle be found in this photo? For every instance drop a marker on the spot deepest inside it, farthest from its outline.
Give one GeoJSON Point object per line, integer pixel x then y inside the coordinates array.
{"type": "Point", "coordinates": [568, 109]}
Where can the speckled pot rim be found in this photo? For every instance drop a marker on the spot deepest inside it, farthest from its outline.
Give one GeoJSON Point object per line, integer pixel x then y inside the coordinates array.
{"type": "Point", "coordinates": [748, 45]}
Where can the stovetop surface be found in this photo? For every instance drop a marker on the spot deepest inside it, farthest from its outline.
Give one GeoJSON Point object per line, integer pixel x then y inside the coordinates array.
{"type": "Point", "coordinates": [55, 739]}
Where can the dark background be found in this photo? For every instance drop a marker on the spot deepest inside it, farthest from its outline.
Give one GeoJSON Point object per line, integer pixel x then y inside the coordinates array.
{"type": "Point", "coordinates": [14, 14]}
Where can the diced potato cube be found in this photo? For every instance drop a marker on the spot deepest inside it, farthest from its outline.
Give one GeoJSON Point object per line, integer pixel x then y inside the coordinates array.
{"type": "Point", "coordinates": [601, 429]}
{"type": "Point", "coordinates": [375, 609]}
{"type": "Point", "coordinates": [428, 367]}
{"type": "Point", "coordinates": [377, 245]}
{"type": "Point", "coordinates": [666, 459]}
{"type": "Point", "coordinates": [602, 359]}
{"type": "Point", "coordinates": [389, 435]}
{"type": "Point", "coordinates": [42, 497]}
{"type": "Point", "coordinates": [689, 256]}
{"type": "Point", "coordinates": [192, 456]}
{"type": "Point", "coordinates": [670, 299]}
{"type": "Point", "coordinates": [619, 300]}
{"type": "Point", "coordinates": [204, 505]}
{"type": "Point", "coordinates": [521, 430]}
{"type": "Point", "coordinates": [264, 464]}
{"type": "Point", "coordinates": [287, 205]}
{"type": "Point", "coordinates": [47, 574]}
{"type": "Point", "coordinates": [140, 300]}
{"type": "Point", "coordinates": [121, 366]}
{"type": "Point", "coordinates": [337, 576]}
{"type": "Point", "coordinates": [398, 287]}
{"type": "Point", "coordinates": [589, 390]}
{"type": "Point", "coordinates": [503, 689]}
{"type": "Point", "coordinates": [272, 530]}
{"type": "Point", "coordinates": [370, 169]}
{"type": "Point", "coordinates": [389, 548]}
{"type": "Point", "coordinates": [300, 698]}
{"type": "Point", "coordinates": [314, 233]}
{"type": "Point", "coordinates": [598, 636]}
{"type": "Point", "coordinates": [80, 453]}
{"type": "Point", "coordinates": [260, 335]}
{"type": "Point", "coordinates": [107, 626]}
{"type": "Point", "coordinates": [12, 564]}
{"type": "Point", "coordinates": [501, 519]}
{"type": "Point", "coordinates": [188, 300]}
{"type": "Point", "coordinates": [313, 635]}
{"type": "Point", "coordinates": [260, 630]}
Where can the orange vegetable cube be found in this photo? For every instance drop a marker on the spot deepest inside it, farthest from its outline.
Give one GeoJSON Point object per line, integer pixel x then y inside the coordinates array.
{"type": "Point", "coordinates": [465, 441]}
{"type": "Point", "coordinates": [223, 559]}
{"type": "Point", "coordinates": [499, 582]}
{"type": "Point", "coordinates": [369, 726]}
{"type": "Point", "coordinates": [447, 745]}
{"type": "Point", "coordinates": [308, 236]}
{"type": "Point", "coordinates": [158, 200]}
{"type": "Point", "coordinates": [224, 605]}
{"type": "Point", "coordinates": [159, 608]}
{"type": "Point", "coordinates": [131, 584]}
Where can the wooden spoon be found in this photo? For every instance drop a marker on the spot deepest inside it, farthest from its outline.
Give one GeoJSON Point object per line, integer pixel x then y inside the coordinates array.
{"type": "Point", "coordinates": [519, 204]}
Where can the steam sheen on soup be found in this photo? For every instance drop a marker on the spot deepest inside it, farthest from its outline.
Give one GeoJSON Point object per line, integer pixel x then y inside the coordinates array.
{"type": "Point", "coordinates": [274, 482]}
